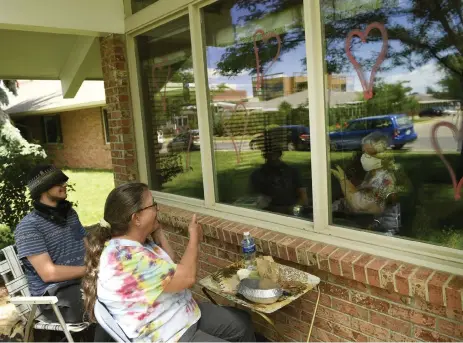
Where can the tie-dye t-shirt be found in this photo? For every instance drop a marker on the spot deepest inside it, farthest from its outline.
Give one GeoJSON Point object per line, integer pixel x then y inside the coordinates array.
{"type": "Point", "coordinates": [131, 283]}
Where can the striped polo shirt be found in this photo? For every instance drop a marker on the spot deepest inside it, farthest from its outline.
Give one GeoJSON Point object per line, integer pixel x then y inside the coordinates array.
{"type": "Point", "coordinates": [64, 243]}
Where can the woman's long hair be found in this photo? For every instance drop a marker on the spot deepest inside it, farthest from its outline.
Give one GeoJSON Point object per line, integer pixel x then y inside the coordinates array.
{"type": "Point", "coordinates": [121, 203]}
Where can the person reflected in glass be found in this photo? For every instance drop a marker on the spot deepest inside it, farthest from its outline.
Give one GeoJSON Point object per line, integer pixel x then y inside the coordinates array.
{"type": "Point", "coordinates": [378, 193]}
{"type": "Point", "coordinates": [277, 185]}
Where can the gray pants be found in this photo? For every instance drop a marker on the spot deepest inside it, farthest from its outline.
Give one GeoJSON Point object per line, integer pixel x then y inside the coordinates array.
{"type": "Point", "coordinates": [220, 324]}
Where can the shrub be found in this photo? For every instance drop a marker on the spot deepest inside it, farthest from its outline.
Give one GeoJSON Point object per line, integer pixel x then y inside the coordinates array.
{"type": "Point", "coordinates": [17, 158]}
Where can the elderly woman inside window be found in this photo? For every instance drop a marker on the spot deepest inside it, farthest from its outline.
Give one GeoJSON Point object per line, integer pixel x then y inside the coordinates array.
{"type": "Point", "coordinates": [377, 194]}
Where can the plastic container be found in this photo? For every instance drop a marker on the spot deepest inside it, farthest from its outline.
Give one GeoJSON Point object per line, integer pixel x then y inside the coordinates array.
{"type": "Point", "coordinates": [248, 247]}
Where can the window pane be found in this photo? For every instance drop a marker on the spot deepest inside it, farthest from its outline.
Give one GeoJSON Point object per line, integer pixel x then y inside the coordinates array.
{"type": "Point", "coordinates": [169, 109]}
{"type": "Point", "coordinates": [106, 125]}
{"type": "Point", "coordinates": [138, 5]}
{"type": "Point", "coordinates": [402, 62]}
{"type": "Point", "coordinates": [52, 129]}
{"type": "Point", "coordinates": [259, 104]}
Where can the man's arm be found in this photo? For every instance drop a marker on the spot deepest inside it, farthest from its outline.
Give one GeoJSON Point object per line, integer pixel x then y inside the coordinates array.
{"type": "Point", "coordinates": [50, 272]}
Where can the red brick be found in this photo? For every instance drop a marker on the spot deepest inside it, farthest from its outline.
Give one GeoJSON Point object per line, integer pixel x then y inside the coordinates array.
{"type": "Point", "coordinates": [369, 329]}
{"type": "Point", "coordinates": [273, 244]}
{"type": "Point", "coordinates": [207, 267]}
{"type": "Point", "coordinates": [282, 247]}
{"type": "Point", "coordinates": [325, 336]}
{"type": "Point", "coordinates": [436, 288]}
{"type": "Point", "coordinates": [397, 337]}
{"type": "Point", "coordinates": [349, 308]}
{"type": "Point", "coordinates": [292, 311]}
{"type": "Point", "coordinates": [332, 315]}
{"type": "Point", "coordinates": [288, 331]}
{"type": "Point", "coordinates": [335, 291]}
{"type": "Point", "coordinates": [413, 316]}
{"type": "Point", "coordinates": [387, 274]}
{"type": "Point", "coordinates": [209, 249]}
{"type": "Point", "coordinates": [291, 248]}
{"type": "Point", "coordinates": [301, 252]}
{"type": "Point", "coordinates": [348, 283]}
{"type": "Point", "coordinates": [370, 302]}
{"type": "Point", "coordinates": [390, 323]}
{"type": "Point", "coordinates": [218, 261]}
{"type": "Point", "coordinates": [402, 278]}
{"type": "Point", "coordinates": [372, 269]}
{"type": "Point", "coordinates": [431, 336]}
{"type": "Point", "coordinates": [323, 257]}
{"type": "Point", "coordinates": [390, 295]}
{"type": "Point", "coordinates": [454, 329]}
{"type": "Point", "coordinates": [359, 268]}
{"type": "Point", "coordinates": [325, 299]}
{"type": "Point", "coordinates": [347, 264]}
{"type": "Point", "coordinates": [312, 253]}
{"type": "Point", "coordinates": [335, 260]}
{"type": "Point", "coordinates": [348, 333]}
{"type": "Point", "coordinates": [228, 255]}
{"type": "Point", "coordinates": [453, 292]}
{"type": "Point", "coordinates": [418, 282]}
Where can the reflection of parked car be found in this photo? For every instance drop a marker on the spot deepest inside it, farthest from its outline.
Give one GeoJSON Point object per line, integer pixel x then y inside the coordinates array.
{"type": "Point", "coordinates": [398, 127]}
{"type": "Point", "coordinates": [431, 112]}
{"type": "Point", "coordinates": [181, 142]}
{"type": "Point", "coordinates": [293, 137]}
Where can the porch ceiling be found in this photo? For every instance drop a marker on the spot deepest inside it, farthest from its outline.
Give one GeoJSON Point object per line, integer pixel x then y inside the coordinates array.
{"type": "Point", "coordinates": [39, 55]}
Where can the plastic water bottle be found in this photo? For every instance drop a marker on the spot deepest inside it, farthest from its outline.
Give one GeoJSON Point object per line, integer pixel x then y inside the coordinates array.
{"type": "Point", "coordinates": [249, 251]}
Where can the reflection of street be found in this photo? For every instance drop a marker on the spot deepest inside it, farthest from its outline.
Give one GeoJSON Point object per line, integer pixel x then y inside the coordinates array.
{"type": "Point", "coordinates": [423, 143]}
{"type": "Point", "coordinates": [445, 137]}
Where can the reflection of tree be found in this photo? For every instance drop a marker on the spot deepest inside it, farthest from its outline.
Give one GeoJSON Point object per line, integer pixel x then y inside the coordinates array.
{"type": "Point", "coordinates": [452, 87]}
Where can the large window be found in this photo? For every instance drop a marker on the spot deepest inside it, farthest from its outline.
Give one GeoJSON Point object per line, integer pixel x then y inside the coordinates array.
{"type": "Point", "coordinates": [169, 109]}
{"type": "Point", "coordinates": [256, 64]}
{"type": "Point", "coordinates": [396, 166]}
{"type": "Point", "coordinates": [52, 129]}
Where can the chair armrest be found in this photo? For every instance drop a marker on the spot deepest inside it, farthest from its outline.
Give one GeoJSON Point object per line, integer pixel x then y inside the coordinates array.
{"type": "Point", "coordinates": [34, 300]}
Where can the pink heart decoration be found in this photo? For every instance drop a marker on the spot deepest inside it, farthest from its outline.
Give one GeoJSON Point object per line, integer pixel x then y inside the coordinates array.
{"type": "Point", "coordinates": [456, 186]}
{"type": "Point", "coordinates": [160, 66]}
{"type": "Point", "coordinates": [238, 149]}
{"type": "Point", "coordinates": [265, 38]}
{"type": "Point", "coordinates": [367, 87]}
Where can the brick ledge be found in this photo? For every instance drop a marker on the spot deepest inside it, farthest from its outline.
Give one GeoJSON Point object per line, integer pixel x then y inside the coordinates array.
{"type": "Point", "coordinates": [436, 287]}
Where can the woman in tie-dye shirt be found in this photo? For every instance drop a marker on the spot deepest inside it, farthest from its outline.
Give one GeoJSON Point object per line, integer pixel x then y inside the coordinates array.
{"type": "Point", "coordinates": [130, 267]}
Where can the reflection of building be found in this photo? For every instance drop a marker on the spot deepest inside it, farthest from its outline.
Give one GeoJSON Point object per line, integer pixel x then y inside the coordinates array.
{"type": "Point", "coordinates": [279, 85]}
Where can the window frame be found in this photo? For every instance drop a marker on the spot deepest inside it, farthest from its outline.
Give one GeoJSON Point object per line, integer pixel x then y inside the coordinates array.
{"type": "Point", "coordinates": [398, 248]}
{"type": "Point", "coordinates": [57, 117]}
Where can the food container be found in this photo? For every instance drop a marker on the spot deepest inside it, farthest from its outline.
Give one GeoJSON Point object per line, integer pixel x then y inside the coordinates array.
{"type": "Point", "coordinates": [243, 273]}
{"type": "Point", "coordinates": [261, 291]}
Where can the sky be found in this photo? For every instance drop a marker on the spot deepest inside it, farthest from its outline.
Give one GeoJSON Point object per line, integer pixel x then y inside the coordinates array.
{"type": "Point", "coordinates": [290, 63]}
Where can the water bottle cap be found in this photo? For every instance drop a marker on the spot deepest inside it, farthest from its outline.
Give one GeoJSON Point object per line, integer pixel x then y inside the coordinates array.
{"type": "Point", "coordinates": [246, 233]}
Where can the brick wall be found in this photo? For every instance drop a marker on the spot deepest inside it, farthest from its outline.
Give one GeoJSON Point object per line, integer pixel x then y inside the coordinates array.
{"type": "Point", "coordinates": [116, 83]}
{"type": "Point", "coordinates": [83, 141]}
{"type": "Point", "coordinates": [364, 297]}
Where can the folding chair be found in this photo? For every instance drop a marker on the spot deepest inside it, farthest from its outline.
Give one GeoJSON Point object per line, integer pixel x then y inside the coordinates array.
{"type": "Point", "coordinates": [107, 322]}
{"type": "Point", "coordinates": [11, 270]}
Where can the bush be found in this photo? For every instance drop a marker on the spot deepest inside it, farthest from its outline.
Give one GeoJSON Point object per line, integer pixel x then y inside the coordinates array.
{"type": "Point", "coordinates": [17, 158]}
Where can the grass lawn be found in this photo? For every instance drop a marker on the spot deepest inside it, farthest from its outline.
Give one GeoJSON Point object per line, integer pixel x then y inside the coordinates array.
{"type": "Point", "coordinates": [91, 189]}
{"type": "Point", "coordinates": [429, 211]}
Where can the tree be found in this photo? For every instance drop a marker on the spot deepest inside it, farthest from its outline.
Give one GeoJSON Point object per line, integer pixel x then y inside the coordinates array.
{"type": "Point", "coordinates": [391, 98]}
{"type": "Point", "coordinates": [17, 156]}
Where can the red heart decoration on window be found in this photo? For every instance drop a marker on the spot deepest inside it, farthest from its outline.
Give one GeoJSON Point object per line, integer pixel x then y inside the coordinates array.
{"type": "Point", "coordinates": [230, 133]}
{"type": "Point", "coordinates": [367, 87]}
{"type": "Point", "coordinates": [456, 186]}
{"type": "Point", "coordinates": [265, 38]}
{"type": "Point", "coordinates": [161, 66]}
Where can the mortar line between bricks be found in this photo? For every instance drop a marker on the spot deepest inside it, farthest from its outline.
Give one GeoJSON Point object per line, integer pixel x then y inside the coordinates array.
{"type": "Point", "coordinates": [444, 287]}
{"type": "Point", "coordinates": [395, 282]}
{"type": "Point", "coordinates": [340, 261]}
{"type": "Point", "coordinates": [365, 270]}
{"type": "Point", "coordinates": [426, 290]}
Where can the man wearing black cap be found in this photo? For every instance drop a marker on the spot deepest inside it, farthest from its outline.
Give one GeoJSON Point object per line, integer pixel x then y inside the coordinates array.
{"type": "Point", "coordinates": [51, 243]}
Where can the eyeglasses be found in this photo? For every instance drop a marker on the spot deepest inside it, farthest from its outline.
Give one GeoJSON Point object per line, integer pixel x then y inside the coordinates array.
{"type": "Point", "coordinates": [155, 205]}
